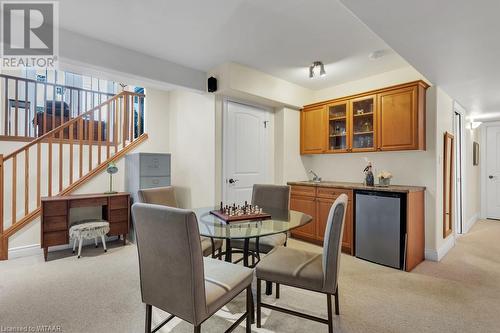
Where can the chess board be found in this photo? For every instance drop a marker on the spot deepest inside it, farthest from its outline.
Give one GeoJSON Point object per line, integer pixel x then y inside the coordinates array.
{"type": "Point", "coordinates": [233, 218]}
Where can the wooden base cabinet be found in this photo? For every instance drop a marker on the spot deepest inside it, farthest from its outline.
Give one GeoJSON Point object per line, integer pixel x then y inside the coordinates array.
{"type": "Point", "coordinates": [317, 203]}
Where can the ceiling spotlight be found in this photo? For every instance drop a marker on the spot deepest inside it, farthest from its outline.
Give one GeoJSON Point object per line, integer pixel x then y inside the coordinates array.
{"type": "Point", "coordinates": [313, 69]}
{"type": "Point", "coordinates": [376, 54]}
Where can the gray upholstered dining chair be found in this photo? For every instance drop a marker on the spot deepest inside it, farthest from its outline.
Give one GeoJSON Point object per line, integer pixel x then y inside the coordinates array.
{"type": "Point", "coordinates": [174, 275]}
{"type": "Point", "coordinates": [166, 196]}
{"type": "Point", "coordinates": [269, 198]}
{"type": "Point", "coordinates": [308, 270]}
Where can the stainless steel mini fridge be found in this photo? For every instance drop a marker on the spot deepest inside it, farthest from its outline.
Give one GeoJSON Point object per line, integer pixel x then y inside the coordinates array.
{"type": "Point", "coordinates": [380, 227]}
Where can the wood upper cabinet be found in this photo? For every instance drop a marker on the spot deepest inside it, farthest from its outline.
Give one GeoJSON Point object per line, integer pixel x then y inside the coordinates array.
{"type": "Point", "coordinates": [401, 121]}
{"type": "Point", "coordinates": [338, 140]}
{"type": "Point", "coordinates": [313, 130]}
{"type": "Point", "coordinates": [363, 123]}
{"type": "Point", "coordinates": [386, 119]}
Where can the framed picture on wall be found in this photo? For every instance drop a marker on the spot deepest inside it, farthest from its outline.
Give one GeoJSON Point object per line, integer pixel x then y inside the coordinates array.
{"type": "Point", "coordinates": [448, 185]}
{"type": "Point", "coordinates": [475, 153]}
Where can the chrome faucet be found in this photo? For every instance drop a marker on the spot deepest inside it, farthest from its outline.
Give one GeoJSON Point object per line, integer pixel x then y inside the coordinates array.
{"type": "Point", "coordinates": [315, 178]}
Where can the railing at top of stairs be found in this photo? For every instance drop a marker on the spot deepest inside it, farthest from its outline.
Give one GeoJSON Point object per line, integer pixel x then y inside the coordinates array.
{"type": "Point", "coordinates": [71, 154]}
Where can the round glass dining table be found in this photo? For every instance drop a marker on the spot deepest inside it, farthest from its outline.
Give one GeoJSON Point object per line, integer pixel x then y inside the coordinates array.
{"type": "Point", "coordinates": [281, 221]}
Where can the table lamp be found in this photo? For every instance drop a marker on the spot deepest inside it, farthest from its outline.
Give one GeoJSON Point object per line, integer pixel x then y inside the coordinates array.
{"type": "Point", "coordinates": [111, 169]}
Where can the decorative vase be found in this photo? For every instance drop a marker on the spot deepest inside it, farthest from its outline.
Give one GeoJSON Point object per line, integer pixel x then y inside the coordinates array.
{"type": "Point", "coordinates": [384, 181]}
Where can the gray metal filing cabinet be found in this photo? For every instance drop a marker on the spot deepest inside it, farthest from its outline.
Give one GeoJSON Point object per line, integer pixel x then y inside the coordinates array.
{"type": "Point", "coordinates": [146, 170]}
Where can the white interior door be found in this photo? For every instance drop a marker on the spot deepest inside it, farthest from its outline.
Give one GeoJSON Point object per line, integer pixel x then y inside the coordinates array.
{"type": "Point", "coordinates": [493, 172]}
{"type": "Point", "coordinates": [246, 150]}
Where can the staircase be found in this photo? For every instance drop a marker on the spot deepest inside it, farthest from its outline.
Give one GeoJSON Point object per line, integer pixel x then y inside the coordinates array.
{"type": "Point", "coordinates": [58, 161]}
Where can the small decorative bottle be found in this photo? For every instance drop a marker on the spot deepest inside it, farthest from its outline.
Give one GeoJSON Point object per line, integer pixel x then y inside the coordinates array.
{"type": "Point", "coordinates": [369, 179]}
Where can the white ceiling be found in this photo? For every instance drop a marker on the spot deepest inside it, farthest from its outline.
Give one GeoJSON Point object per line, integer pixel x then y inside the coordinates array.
{"type": "Point", "coordinates": [280, 37]}
{"type": "Point", "coordinates": [453, 43]}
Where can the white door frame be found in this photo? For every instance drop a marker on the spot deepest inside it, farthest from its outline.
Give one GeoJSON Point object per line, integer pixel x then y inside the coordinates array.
{"type": "Point", "coordinates": [268, 171]}
{"type": "Point", "coordinates": [459, 178]}
{"type": "Point", "coordinates": [482, 161]}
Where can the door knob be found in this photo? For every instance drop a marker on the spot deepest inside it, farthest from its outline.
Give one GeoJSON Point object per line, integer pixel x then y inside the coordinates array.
{"type": "Point", "coordinates": [490, 177]}
{"type": "Point", "coordinates": [232, 181]}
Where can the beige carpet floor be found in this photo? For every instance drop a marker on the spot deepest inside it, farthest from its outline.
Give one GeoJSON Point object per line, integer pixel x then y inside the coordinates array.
{"type": "Point", "coordinates": [100, 293]}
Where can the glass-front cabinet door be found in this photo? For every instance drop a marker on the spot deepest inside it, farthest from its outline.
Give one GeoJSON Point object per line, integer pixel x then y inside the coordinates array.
{"type": "Point", "coordinates": [363, 123]}
{"type": "Point", "coordinates": [338, 127]}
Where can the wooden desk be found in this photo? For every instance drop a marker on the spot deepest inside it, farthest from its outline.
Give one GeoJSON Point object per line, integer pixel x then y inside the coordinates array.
{"type": "Point", "coordinates": [55, 216]}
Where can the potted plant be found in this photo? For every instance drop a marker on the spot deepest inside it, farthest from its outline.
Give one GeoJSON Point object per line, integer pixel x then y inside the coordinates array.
{"type": "Point", "coordinates": [384, 178]}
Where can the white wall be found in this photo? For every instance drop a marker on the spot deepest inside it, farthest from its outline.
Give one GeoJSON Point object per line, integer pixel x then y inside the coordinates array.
{"type": "Point", "coordinates": [289, 165]}
{"type": "Point", "coordinates": [397, 76]}
{"type": "Point", "coordinates": [444, 123]}
{"type": "Point", "coordinates": [241, 82]}
{"type": "Point", "coordinates": [192, 137]}
{"type": "Point", "coordinates": [472, 180]}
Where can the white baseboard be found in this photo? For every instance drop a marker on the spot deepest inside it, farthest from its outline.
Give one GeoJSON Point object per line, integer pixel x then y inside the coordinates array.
{"type": "Point", "coordinates": [437, 255]}
{"type": "Point", "coordinates": [468, 224]}
{"type": "Point", "coordinates": [35, 249]}
{"type": "Point", "coordinates": [25, 251]}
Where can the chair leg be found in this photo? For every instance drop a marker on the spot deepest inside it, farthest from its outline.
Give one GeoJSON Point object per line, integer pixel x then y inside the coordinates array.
{"type": "Point", "coordinates": [249, 309]}
{"type": "Point", "coordinates": [95, 241]}
{"type": "Point", "coordinates": [74, 244]}
{"type": "Point", "coordinates": [329, 310]}
{"type": "Point", "coordinates": [80, 241]}
{"type": "Point", "coordinates": [269, 288]}
{"type": "Point", "coordinates": [103, 239]}
{"type": "Point", "coordinates": [197, 329]}
{"type": "Point", "coordinates": [337, 309]}
{"type": "Point", "coordinates": [148, 318]}
{"type": "Point", "coordinates": [258, 304]}
{"type": "Point", "coordinates": [277, 290]}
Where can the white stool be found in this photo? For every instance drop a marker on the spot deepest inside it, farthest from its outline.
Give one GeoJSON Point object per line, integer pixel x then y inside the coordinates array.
{"type": "Point", "coordinates": [88, 229]}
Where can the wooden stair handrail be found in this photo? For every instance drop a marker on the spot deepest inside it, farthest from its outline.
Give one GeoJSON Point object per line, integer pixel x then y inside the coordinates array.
{"type": "Point", "coordinates": [66, 124]}
{"type": "Point", "coordinates": [16, 78]}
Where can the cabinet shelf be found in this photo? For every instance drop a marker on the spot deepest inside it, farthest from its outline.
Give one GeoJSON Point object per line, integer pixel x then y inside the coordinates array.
{"type": "Point", "coordinates": [363, 114]}
{"type": "Point", "coordinates": [363, 133]}
{"type": "Point", "coordinates": [337, 118]}
{"type": "Point", "coordinates": [337, 135]}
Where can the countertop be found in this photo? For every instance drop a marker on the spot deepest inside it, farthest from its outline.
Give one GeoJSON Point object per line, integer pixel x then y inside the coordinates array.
{"type": "Point", "coordinates": [361, 186]}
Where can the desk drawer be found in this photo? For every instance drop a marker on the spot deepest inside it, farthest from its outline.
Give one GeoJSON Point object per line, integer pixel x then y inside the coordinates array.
{"type": "Point", "coordinates": [118, 215]}
{"type": "Point", "coordinates": [88, 202]}
{"type": "Point", "coordinates": [118, 202]}
{"type": "Point", "coordinates": [55, 238]}
{"type": "Point", "coordinates": [308, 191]}
{"type": "Point", "coordinates": [55, 208]}
{"type": "Point", "coordinates": [333, 193]}
{"type": "Point", "coordinates": [55, 223]}
{"type": "Point", "coordinates": [118, 228]}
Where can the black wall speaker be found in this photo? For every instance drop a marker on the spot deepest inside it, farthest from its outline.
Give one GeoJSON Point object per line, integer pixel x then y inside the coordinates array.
{"type": "Point", "coordinates": [212, 84]}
